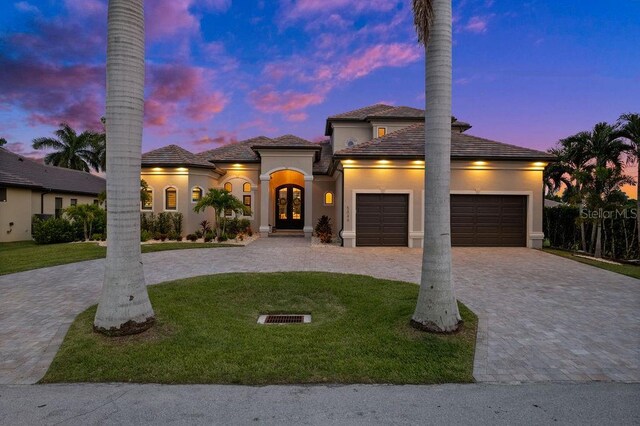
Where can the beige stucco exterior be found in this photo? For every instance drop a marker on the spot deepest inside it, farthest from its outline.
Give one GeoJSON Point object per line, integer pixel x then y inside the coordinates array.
{"type": "Point", "coordinates": [23, 203]}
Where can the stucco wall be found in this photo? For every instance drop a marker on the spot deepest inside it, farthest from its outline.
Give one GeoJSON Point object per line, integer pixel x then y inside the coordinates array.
{"type": "Point", "coordinates": [16, 209]}
{"type": "Point", "coordinates": [238, 177]}
{"type": "Point", "coordinates": [343, 132]}
{"type": "Point", "coordinates": [322, 185]}
{"type": "Point", "coordinates": [509, 178]}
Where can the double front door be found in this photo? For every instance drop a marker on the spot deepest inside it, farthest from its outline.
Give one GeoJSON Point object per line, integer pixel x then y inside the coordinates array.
{"type": "Point", "coordinates": [289, 207]}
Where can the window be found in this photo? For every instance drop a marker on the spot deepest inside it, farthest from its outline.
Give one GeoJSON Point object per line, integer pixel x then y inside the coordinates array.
{"type": "Point", "coordinates": [148, 202]}
{"type": "Point", "coordinates": [3, 194]}
{"type": "Point", "coordinates": [246, 200]}
{"type": "Point", "coordinates": [328, 198]}
{"type": "Point", "coordinates": [382, 131]}
{"type": "Point", "coordinates": [170, 199]}
{"type": "Point", "coordinates": [246, 187]}
{"type": "Point", "coordinates": [58, 206]}
{"type": "Point", "coordinates": [196, 194]}
{"type": "Point", "coordinates": [228, 187]}
{"type": "Point", "coordinates": [74, 201]}
{"type": "Point", "coordinates": [228, 212]}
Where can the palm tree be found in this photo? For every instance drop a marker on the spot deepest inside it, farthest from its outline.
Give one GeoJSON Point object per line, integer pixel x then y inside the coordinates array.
{"type": "Point", "coordinates": [124, 306]}
{"type": "Point", "coordinates": [629, 126]}
{"type": "Point", "coordinates": [555, 174]}
{"type": "Point", "coordinates": [3, 141]}
{"type": "Point", "coordinates": [85, 214]}
{"type": "Point", "coordinates": [71, 150]}
{"type": "Point", "coordinates": [436, 308]}
{"type": "Point", "coordinates": [220, 200]}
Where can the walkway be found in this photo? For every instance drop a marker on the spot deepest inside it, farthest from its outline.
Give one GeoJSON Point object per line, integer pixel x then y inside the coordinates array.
{"type": "Point", "coordinates": [543, 318]}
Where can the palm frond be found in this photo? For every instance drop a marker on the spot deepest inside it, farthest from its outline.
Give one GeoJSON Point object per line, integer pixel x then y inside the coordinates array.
{"type": "Point", "coordinates": [42, 143]}
{"type": "Point", "coordinates": [422, 19]}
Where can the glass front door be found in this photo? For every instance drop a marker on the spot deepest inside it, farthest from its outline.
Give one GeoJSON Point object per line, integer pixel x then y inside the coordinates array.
{"type": "Point", "coordinates": [289, 207]}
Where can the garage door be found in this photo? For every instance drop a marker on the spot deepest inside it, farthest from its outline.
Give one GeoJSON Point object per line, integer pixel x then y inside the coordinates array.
{"type": "Point", "coordinates": [382, 219]}
{"type": "Point", "coordinates": [489, 220]}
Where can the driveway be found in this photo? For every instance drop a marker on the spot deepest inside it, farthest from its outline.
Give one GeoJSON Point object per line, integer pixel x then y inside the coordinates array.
{"type": "Point", "coordinates": [542, 317]}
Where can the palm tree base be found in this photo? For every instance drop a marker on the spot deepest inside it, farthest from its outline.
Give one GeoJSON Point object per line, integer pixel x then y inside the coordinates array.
{"type": "Point", "coordinates": [127, 329]}
{"type": "Point", "coordinates": [431, 327]}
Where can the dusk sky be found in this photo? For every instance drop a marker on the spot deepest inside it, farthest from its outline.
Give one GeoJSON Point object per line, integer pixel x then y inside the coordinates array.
{"type": "Point", "coordinates": [526, 73]}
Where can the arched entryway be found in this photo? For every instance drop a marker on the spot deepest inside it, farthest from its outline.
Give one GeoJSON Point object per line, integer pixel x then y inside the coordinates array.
{"type": "Point", "coordinates": [289, 205]}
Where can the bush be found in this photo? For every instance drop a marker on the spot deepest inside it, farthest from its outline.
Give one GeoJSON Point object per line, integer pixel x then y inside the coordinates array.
{"type": "Point", "coordinates": [244, 225]}
{"type": "Point", "coordinates": [192, 237]}
{"type": "Point", "coordinates": [198, 233]}
{"type": "Point", "coordinates": [323, 229]}
{"type": "Point", "coordinates": [232, 236]}
{"type": "Point", "coordinates": [177, 224]}
{"type": "Point", "coordinates": [96, 237]}
{"type": "Point", "coordinates": [222, 238]}
{"type": "Point", "coordinates": [206, 227]}
{"type": "Point", "coordinates": [54, 230]}
{"type": "Point", "coordinates": [250, 232]}
{"type": "Point", "coordinates": [172, 236]}
{"type": "Point", "coordinates": [145, 235]}
{"type": "Point", "coordinates": [148, 222]}
{"type": "Point", "coordinates": [164, 223]}
{"type": "Point", "coordinates": [209, 236]}
{"type": "Point", "coordinates": [163, 237]}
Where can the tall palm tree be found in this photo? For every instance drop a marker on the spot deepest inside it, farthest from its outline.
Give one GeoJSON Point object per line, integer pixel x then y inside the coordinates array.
{"type": "Point", "coordinates": [436, 308]}
{"type": "Point", "coordinates": [555, 174]}
{"type": "Point", "coordinates": [71, 150]}
{"type": "Point", "coordinates": [124, 306]}
{"type": "Point", "coordinates": [629, 125]}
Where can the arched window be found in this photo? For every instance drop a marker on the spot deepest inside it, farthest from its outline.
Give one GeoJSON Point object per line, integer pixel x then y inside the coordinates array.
{"type": "Point", "coordinates": [147, 203]}
{"type": "Point", "coordinates": [196, 194]}
{"type": "Point", "coordinates": [228, 187]}
{"type": "Point", "coordinates": [328, 198]}
{"type": "Point", "coordinates": [246, 187]}
{"type": "Point", "coordinates": [171, 198]}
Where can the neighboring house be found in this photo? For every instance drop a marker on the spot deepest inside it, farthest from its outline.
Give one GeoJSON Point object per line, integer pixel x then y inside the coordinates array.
{"type": "Point", "coordinates": [368, 178]}
{"type": "Point", "coordinates": [29, 188]}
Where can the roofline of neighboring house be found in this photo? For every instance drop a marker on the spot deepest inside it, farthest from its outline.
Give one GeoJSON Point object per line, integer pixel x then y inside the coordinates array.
{"type": "Point", "coordinates": [378, 156]}
{"type": "Point", "coordinates": [41, 188]}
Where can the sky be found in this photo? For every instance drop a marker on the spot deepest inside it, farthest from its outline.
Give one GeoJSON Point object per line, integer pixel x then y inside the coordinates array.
{"type": "Point", "coordinates": [524, 72]}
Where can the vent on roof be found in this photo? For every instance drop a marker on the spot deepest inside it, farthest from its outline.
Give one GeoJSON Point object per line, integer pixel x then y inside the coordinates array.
{"type": "Point", "coordinates": [284, 319]}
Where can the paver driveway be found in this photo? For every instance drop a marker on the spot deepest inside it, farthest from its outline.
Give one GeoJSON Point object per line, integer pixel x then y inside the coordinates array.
{"type": "Point", "coordinates": [542, 317]}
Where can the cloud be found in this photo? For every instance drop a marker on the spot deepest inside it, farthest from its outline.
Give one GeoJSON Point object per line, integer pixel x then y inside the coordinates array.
{"type": "Point", "coordinates": [378, 56]}
{"type": "Point", "coordinates": [289, 103]}
{"type": "Point", "coordinates": [26, 7]}
{"type": "Point", "coordinates": [312, 8]}
{"type": "Point", "coordinates": [477, 24]}
{"type": "Point", "coordinates": [222, 138]}
{"type": "Point", "coordinates": [166, 18]}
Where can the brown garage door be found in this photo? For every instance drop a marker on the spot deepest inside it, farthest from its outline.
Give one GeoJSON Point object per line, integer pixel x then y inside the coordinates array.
{"type": "Point", "coordinates": [382, 219]}
{"type": "Point", "coordinates": [489, 220]}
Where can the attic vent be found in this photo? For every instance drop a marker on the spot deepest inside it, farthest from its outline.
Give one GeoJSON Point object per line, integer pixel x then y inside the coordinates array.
{"type": "Point", "coordinates": [284, 319]}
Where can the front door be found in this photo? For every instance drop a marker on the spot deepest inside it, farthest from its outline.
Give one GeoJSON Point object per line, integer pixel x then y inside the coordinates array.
{"type": "Point", "coordinates": [289, 207]}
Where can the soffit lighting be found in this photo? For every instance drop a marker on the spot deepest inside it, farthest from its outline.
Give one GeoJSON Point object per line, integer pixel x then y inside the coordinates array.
{"type": "Point", "coordinates": [479, 163]}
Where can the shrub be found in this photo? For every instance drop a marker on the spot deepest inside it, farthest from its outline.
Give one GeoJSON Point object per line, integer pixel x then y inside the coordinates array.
{"type": "Point", "coordinates": [163, 237]}
{"type": "Point", "coordinates": [148, 222]}
{"type": "Point", "coordinates": [232, 236]}
{"type": "Point", "coordinates": [250, 232]}
{"type": "Point", "coordinates": [164, 223]}
{"type": "Point", "coordinates": [192, 237]}
{"type": "Point", "coordinates": [208, 237]}
{"type": "Point", "coordinates": [198, 233]}
{"type": "Point", "coordinates": [206, 226]}
{"type": "Point", "coordinates": [323, 229]}
{"type": "Point", "coordinates": [177, 224]}
{"type": "Point", "coordinates": [96, 237]}
{"type": "Point", "coordinates": [54, 230]}
{"type": "Point", "coordinates": [145, 235]}
{"type": "Point", "coordinates": [243, 225]}
{"type": "Point", "coordinates": [172, 235]}
{"type": "Point", "coordinates": [222, 238]}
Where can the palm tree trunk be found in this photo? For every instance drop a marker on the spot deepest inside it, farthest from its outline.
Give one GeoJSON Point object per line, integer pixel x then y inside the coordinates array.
{"type": "Point", "coordinates": [436, 308]}
{"type": "Point", "coordinates": [592, 244]}
{"type": "Point", "coordinates": [598, 249]}
{"type": "Point", "coordinates": [583, 235]}
{"type": "Point", "coordinates": [124, 306]}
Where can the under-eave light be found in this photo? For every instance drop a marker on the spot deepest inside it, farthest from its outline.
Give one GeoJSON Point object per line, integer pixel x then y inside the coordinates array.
{"type": "Point", "coordinates": [182, 169]}
{"type": "Point", "coordinates": [348, 161]}
{"type": "Point", "coordinates": [539, 164]}
{"type": "Point", "coordinates": [157, 169]}
{"type": "Point", "coordinates": [479, 163]}
{"type": "Point", "coordinates": [383, 161]}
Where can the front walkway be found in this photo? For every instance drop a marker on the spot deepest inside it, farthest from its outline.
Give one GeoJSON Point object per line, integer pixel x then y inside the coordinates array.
{"type": "Point", "coordinates": [543, 317]}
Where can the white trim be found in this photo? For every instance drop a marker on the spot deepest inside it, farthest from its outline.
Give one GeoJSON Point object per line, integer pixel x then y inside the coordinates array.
{"type": "Point", "coordinates": [355, 192]}
{"type": "Point", "coordinates": [236, 176]}
{"type": "Point", "coordinates": [201, 195]}
{"type": "Point", "coordinates": [152, 201]}
{"type": "Point", "coordinates": [164, 198]}
{"type": "Point", "coordinates": [308, 178]}
{"type": "Point", "coordinates": [528, 194]}
{"type": "Point", "coordinates": [277, 169]}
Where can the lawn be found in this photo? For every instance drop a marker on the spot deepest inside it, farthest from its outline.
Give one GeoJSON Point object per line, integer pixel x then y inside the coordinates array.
{"type": "Point", "coordinates": [27, 255]}
{"type": "Point", "coordinates": [206, 332]}
{"type": "Point", "coordinates": [630, 270]}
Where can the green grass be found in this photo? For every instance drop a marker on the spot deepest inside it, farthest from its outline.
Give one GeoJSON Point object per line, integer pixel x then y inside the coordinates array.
{"type": "Point", "coordinates": [26, 255]}
{"type": "Point", "coordinates": [629, 270]}
{"type": "Point", "coordinates": [206, 332]}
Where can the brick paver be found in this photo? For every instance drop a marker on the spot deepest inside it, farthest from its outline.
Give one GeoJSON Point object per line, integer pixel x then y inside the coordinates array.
{"type": "Point", "coordinates": [542, 317]}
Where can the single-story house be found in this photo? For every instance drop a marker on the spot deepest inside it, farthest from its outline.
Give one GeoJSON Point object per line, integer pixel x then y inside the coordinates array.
{"type": "Point", "coordinates": [29, 188]}
{"type": "Point", "coordinates": [368, 177]}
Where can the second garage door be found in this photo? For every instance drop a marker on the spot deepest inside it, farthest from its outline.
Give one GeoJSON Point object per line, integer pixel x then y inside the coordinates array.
{"type": "Point", "coordinates": [382, 219]}
{"type": "Point", "coordinates": [489, 220]}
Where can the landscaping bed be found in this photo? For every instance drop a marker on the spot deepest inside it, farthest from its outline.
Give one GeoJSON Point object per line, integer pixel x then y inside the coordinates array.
{"type": "Point", "coordinates": [620, 268]}
{"type": "Point", "coordinates": [207, 332]}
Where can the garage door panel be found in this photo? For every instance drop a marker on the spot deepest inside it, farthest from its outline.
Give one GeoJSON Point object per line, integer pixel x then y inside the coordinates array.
{"type": "Point", "coordinates": [488, 220]}
{"type": "Point", "coordinates": [382, 219]}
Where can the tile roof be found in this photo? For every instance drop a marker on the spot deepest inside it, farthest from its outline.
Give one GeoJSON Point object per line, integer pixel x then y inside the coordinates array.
{"type": "Point", "coordinates": [362, 113]}
{"type": "Point", "coordinates": [16, 170]}
{"type": "Point", "coordinates": [409, 142]}
{"type": "Point", "coordinates": [173, 155]}
{"type": "Point", "coordinates": [244, 151]}
{"type": "Point", "coordinates": [399, 112]}
{"type": "Point", "coordinates": [322, 166]}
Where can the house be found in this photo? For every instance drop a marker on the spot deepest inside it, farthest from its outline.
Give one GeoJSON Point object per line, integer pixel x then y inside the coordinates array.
{"type": "Point", "coordinates": [29, 188]}
{"type": "Point", "coordinates": [367, 177]}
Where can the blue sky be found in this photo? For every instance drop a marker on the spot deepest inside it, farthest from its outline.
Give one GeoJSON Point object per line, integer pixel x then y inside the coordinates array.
{"type": "Point", "coordinates": [526, 73]}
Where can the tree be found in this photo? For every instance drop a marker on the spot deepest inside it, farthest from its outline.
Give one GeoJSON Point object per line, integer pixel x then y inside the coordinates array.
{"type": "Point", "coordinates": [220, 200]}
{"type": "Point", "coordinates": [555, 175]}
{"type": "Point", "coordinates": [3, 141]}
{"type": "Point", "coordinates": [436, 308]}
{"type": "Point", "coordinates": [71, 150]}
{"type": "Point", "coordinates": [629, 128]}
{"type": "Point", "coordinates": [86, 214]}
{"type": "Point", "coordinates": [124, 306]}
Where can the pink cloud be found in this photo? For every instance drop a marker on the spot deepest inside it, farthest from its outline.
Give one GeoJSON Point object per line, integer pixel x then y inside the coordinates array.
{"type": "Point", "coordinates": [297, 117]}
{"type": "Point", "coordinates": [311, 8]}
{"type": "Point", "coordinates": [222, 138]}
{"type": "Point", "coordinates": [477, 24]}
{"type": "Point", "coordinates": [165, 18]}
{"type": "Point", "coordinates": [380, 55]}
{"type": "Point", "coordinates": [289, 103]}
{"type": "Point", "coordinates": [87, 7]}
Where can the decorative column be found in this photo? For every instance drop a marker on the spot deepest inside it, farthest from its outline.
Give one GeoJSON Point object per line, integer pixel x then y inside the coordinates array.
{"type": "Point", "coordinates": [264, 205]}
{"type": "Point", "coordinates": [308, 206]}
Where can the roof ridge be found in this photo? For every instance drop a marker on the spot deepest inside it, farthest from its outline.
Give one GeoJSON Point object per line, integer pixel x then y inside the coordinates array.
{"type": "Point", "coordinates": [361, 109]}
{"type": "Point", "coordinates": [48, 166]}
